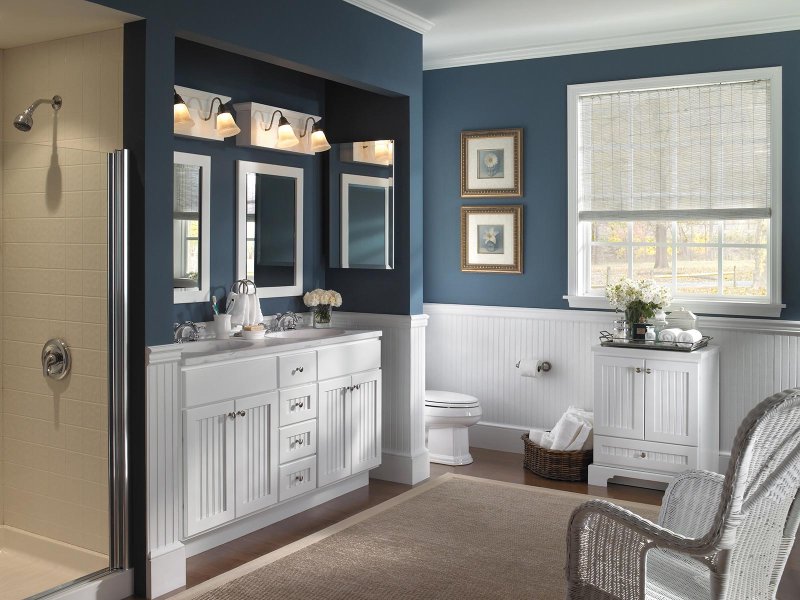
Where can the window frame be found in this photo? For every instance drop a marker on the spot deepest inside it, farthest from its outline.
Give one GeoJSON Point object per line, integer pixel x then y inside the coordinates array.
{"type": "Point", "coordinates": [579, 243]}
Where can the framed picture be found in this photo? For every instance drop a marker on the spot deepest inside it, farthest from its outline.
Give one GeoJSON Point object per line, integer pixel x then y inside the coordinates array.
{"type": "Point", "coordinates": [491, 239]}
{"type": "Point", "coordinates": [490, 163]}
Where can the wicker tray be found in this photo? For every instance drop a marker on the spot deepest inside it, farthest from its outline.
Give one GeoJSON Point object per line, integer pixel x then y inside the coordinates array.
{"type": "Point", "coordinates": [556, 464]}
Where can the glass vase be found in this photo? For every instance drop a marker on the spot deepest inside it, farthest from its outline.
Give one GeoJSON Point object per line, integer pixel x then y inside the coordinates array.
{"type": "Point", "coordinates": [322, 316]}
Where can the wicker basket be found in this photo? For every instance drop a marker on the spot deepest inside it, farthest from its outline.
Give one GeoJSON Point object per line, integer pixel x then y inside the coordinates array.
{"type": "Point", "coordinates": [556, 464]}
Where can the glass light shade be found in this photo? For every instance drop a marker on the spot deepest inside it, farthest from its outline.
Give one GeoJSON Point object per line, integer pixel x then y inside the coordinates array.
{"type": "Point", "coordinates": [181, 115]}
{"type": "Point", "coordinates": [226, 126]}
{"type": "Point", "coordinates": [383, 151]}
{"type": "Point", "coordinates": [286, 135]}
{"type": "Point", "coordinates": [319, 143]}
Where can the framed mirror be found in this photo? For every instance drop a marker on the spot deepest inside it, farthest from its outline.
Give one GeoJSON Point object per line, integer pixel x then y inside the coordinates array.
{"type": "Point", "coordinates": [191, 227]}
{"type": "Point", "coordinates": [361, 194]}
{"type": "Point", "coordinates": [269, 228]}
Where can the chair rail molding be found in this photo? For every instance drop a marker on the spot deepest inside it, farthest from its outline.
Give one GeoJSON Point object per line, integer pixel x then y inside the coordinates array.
{"type": "Point", "coordinates": [474, 350]}
{"type": "Point", "coordinates": [405, 457]}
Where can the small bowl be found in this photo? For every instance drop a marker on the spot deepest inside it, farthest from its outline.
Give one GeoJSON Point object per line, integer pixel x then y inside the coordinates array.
{"type": "Point", "coordinates": [254, 335]}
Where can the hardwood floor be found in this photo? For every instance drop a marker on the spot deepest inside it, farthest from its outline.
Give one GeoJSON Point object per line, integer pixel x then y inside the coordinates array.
{"type": "Point", "coordinates": [501, 466]}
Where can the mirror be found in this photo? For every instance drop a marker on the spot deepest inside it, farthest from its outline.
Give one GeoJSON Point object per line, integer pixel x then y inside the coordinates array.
{"type": "Point", "coordinates": [361, 194]}
{"type": "Point", "coordinates": [191, 227]}
{"type": "Point", "coordinates": [270, 228]}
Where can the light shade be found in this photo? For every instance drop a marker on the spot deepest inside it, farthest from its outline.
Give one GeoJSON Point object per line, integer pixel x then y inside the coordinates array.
{"type": "Point", "coordinates": [181, 114]}
{"type": "Point", "coordinates": [286, 135]}
{"type": "Point", "coordinates": [226, 126]}
{"type": "Point", "coordinates": [319, 143]}
{"type": "Point", "coordinates": [383, 151]}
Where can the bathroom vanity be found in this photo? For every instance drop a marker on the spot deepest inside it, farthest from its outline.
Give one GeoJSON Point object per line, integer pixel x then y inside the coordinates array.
{"type": "Point", "coordinates": [242, 434]}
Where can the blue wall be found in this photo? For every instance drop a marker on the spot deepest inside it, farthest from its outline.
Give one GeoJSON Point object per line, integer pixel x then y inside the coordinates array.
{"type": "Point", "coordinates": [532, 94]}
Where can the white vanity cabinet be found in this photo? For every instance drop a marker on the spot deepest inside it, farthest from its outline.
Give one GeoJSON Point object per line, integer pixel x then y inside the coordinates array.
{"type": "Point", "coordinates": [656, 413]}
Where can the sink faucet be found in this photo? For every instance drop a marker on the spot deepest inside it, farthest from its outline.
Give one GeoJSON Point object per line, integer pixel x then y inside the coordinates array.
{"type": "Point", "coordinates": [186, 332]}
{"type": "Point", "coordinates": [284, 321]}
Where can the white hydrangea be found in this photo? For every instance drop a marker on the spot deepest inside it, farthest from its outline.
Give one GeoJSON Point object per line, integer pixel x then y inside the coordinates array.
{"type": "Point", "coordinates": [318, 297]}
{"type": "Point", "coordinates": [626, 291]}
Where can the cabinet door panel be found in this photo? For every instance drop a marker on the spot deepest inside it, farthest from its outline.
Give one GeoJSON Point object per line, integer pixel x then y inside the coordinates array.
{"type": "Point", "coordinates": [209, 434]}
{"type": "Point", "coordinates": [366, 428]}
{"type": "Point", "coordinates": [671, 402]}
{"type": "Point", "coordinates": [256, 452]}
{"type": "Point", "coordinates": [334, 430]}
{"type": "Point", "coordinates": [619, 396]}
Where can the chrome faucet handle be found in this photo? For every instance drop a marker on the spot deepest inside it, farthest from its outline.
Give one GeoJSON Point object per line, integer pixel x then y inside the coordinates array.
{"type": "Point", "coordinates": [179, 330]}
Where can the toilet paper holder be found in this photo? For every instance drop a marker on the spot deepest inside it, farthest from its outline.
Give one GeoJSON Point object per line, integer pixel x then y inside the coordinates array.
{"type": "Point", "coordinates": [542, 367]}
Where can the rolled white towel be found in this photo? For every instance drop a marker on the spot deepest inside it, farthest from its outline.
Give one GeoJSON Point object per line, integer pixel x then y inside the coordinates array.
{"type": "Point", "coordinates": [690, 336]}
{"type": "Point", "coordinates": [582, 441]}
{"type": "Point", "coordinates": [547, 440]}
{"type": "Point", "coordinates": [670, 335]}
{"type": "Point", "coordinates": [536, 436]}
{"type": "Point", "coordinates": [565, 431]}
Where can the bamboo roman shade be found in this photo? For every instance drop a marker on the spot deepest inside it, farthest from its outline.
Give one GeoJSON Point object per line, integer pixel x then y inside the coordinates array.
{"type": "Point", "coordinates": [699, 152]}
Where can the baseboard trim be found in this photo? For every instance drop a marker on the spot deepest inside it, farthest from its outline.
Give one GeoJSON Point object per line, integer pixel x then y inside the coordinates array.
{"type": "Point", "coordinates": [166, 570]}
{"type": "Point", "coordinates": [403, 468]}
{"type": "Point", "coordinates": [495, 436]}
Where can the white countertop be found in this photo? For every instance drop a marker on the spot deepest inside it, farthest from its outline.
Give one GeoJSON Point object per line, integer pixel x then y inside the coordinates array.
{"type": "Point", "coordinates": [203, 352]}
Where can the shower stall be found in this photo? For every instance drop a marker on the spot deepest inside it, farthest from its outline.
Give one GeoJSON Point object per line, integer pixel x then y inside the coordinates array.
{"type": "Point", "coordinates": [63, 301]}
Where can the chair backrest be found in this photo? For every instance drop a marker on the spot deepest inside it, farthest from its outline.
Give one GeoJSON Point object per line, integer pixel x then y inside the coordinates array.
{"type": "Point", "coordinates": [760, 510]}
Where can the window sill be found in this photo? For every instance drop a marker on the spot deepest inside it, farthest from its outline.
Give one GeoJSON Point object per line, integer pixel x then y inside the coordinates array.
{"type": "Point", "coordinates": [708, 307]}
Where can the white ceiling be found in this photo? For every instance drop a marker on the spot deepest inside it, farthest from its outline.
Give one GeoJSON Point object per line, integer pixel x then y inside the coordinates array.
{"type": "Point", "coordinates": [461, 32]}
{"type": "Point", "coordinates": [25, 22]}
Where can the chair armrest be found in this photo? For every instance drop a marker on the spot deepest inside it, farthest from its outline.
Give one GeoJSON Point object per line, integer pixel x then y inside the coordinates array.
{"type": "Point", "coordinates": [691, 503]}
{"type": "Point", "coordinates": [606, 551]}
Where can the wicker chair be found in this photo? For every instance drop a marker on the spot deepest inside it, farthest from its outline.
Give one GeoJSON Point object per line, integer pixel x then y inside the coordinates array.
{"type": "Point", "coordinates": [716, 538]}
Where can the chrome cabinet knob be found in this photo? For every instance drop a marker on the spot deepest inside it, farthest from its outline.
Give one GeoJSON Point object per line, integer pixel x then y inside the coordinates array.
{"type": "Point", "coordinates": [297, 370]}
{"type": "Point", "coordinates": [241, 413]}
{"type": "Point", "coordinates": [644, 455]}
{"type": "Point", "coordinates": [231, 415]}
{"type": "Point", "coordinates": [298, 478]}
{"type": "Point", "coordinates": [648, 371]}
{"type": "Point", "coordinates": [638, 370]}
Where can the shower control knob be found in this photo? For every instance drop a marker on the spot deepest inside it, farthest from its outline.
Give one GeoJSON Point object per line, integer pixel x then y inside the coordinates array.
{"type": "Point", "coordinates": [56, 359]}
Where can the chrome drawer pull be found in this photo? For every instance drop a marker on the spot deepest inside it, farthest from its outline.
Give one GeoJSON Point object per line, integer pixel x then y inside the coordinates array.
{"type": "Point", "coordinates": [644, 455]}
{"type": "Point", "coordinates": [297, 370]}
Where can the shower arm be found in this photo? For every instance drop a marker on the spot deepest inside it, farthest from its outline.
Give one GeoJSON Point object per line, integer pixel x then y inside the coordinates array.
{"type": "Point", "coordinates": [54, 102]}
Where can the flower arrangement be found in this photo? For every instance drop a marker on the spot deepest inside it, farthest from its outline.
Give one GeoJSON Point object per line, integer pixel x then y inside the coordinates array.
{"type": "Point", "coordinates": [321, 303]}
{"type": "Point", "coordinates": [639, 298]}
{"type": "Point", "coordinates": [317, 297]}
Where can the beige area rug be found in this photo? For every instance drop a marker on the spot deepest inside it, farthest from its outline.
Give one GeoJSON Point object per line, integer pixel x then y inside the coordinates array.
{"type": "Point", "coordinates": [455, 537]}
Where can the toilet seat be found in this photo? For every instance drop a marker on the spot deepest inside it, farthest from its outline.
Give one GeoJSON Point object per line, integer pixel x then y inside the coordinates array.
{"type": "Point", "coordinates": [442, 399]}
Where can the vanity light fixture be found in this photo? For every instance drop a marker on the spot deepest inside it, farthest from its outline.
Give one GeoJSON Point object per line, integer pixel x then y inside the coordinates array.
{"type": "Point", "coordinates": [319, 143]}
{"type": "Point", "coordinates": [383, 151]}
{"type": "Point", "coordinates": [181, 112]}
{"type": "Point", "coordinates": [286, 135]}
{"type": "Point", "coordinates": [226, 125]}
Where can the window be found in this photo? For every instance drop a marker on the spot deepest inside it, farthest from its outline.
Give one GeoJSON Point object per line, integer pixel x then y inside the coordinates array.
{"type": "Point", "coordinates": [677, 179]}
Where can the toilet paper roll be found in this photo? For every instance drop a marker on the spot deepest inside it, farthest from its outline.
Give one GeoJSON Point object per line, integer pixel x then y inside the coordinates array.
{"type": "Point", "coordinates": [529, 367]}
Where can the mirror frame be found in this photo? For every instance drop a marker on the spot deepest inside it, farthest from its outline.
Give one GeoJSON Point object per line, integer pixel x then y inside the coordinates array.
{"type": "Point", "coordinates": [204, 293]}
{"type": "Point", "coordinates": [388, 209]}
{"type": "Point", "coordinates": [243, 167]}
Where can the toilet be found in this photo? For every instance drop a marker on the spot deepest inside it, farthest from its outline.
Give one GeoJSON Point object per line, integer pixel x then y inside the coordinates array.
{"type": "Point", "coordinates": [447, 417]}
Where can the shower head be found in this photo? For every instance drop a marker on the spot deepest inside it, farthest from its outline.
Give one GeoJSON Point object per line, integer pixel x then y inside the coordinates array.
{"type": "Point", "coordinates": [24, 120]}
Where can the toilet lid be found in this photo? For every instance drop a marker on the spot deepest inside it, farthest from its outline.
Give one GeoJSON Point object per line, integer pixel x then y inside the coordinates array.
{"type": "Point", "coordinates": [441, 399]}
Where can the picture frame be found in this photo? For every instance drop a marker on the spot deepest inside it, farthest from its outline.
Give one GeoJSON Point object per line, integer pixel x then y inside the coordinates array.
{"type": "Point", "coordinates": [491, 163]}
{"type": "Point", "coordinates": [491, 239]}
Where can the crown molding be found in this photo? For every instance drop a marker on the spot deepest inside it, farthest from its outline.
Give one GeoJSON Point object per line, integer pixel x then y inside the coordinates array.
{"type": "Point", "coordinates": [394, 13]}
{"type": "Point", "coordinates": [690, 34]}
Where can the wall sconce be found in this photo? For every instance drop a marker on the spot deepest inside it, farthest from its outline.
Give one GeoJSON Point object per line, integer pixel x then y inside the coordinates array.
{"type": "Point", "coordinates": [226, 125]}
{"type": "Point", "coordinates": [193, 112]}
{"type": "Point", "coordinates": [384, 151]}
{"type": "Point", "coordinates": [319, 143]}
{"type": "Point", "coordinates": [181, 112]}
{"type": "Point", "coordinates": [286, 135]}
{"type": "Point", "coordinates": [277, 128]}
{"type": "Point", "coordinates": [378, 152]}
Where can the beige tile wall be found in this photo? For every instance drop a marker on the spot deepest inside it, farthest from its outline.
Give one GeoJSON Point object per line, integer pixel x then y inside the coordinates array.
{"type": "Point", "coordinates": [2, 426]}
{"type": "Point", "coordinates": [54, 284]}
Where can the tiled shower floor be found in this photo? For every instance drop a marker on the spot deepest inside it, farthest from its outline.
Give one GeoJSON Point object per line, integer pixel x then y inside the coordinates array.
{"type": "Point", "coordinates": [31, 564]}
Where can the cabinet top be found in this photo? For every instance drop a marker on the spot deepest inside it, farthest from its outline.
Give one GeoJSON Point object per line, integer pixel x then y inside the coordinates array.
{"type": "Point", "coordinates": [653, 354]}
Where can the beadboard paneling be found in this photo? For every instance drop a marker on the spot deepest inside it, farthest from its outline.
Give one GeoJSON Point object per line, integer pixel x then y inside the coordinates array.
{"type": "Point", "coordinates": [474, 350]}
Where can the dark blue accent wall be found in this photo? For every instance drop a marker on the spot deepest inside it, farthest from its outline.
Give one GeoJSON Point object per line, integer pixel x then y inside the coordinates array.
{"type": "Point", "coordinates": [532, 94]}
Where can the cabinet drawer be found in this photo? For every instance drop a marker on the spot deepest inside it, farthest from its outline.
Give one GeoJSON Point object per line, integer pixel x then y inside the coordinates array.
{"type": "Point", "coordinates": [344, 359]}
{"type": "Point", "coordinates": [295, 369]}
{"type": "Point", "coordinates": [645, 456]}
{"type": "Point", "coordinates": [297, 441]}
{"type": "Point", "coordinates": [297, 404]}
{"type": "Point", "coordinates": [297, 477]}
{"type": "Point", "coordinates": [206, 383]}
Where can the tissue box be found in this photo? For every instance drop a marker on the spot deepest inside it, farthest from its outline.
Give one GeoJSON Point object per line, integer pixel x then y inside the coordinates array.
{"type": "Point", "coordinates": [556, 464]}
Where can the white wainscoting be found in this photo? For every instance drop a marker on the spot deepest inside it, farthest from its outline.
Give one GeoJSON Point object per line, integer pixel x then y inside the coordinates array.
{"type": "Point", "coordinates": [405, 458]}
{"type": "Point", "coordinates": [474, 350]}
